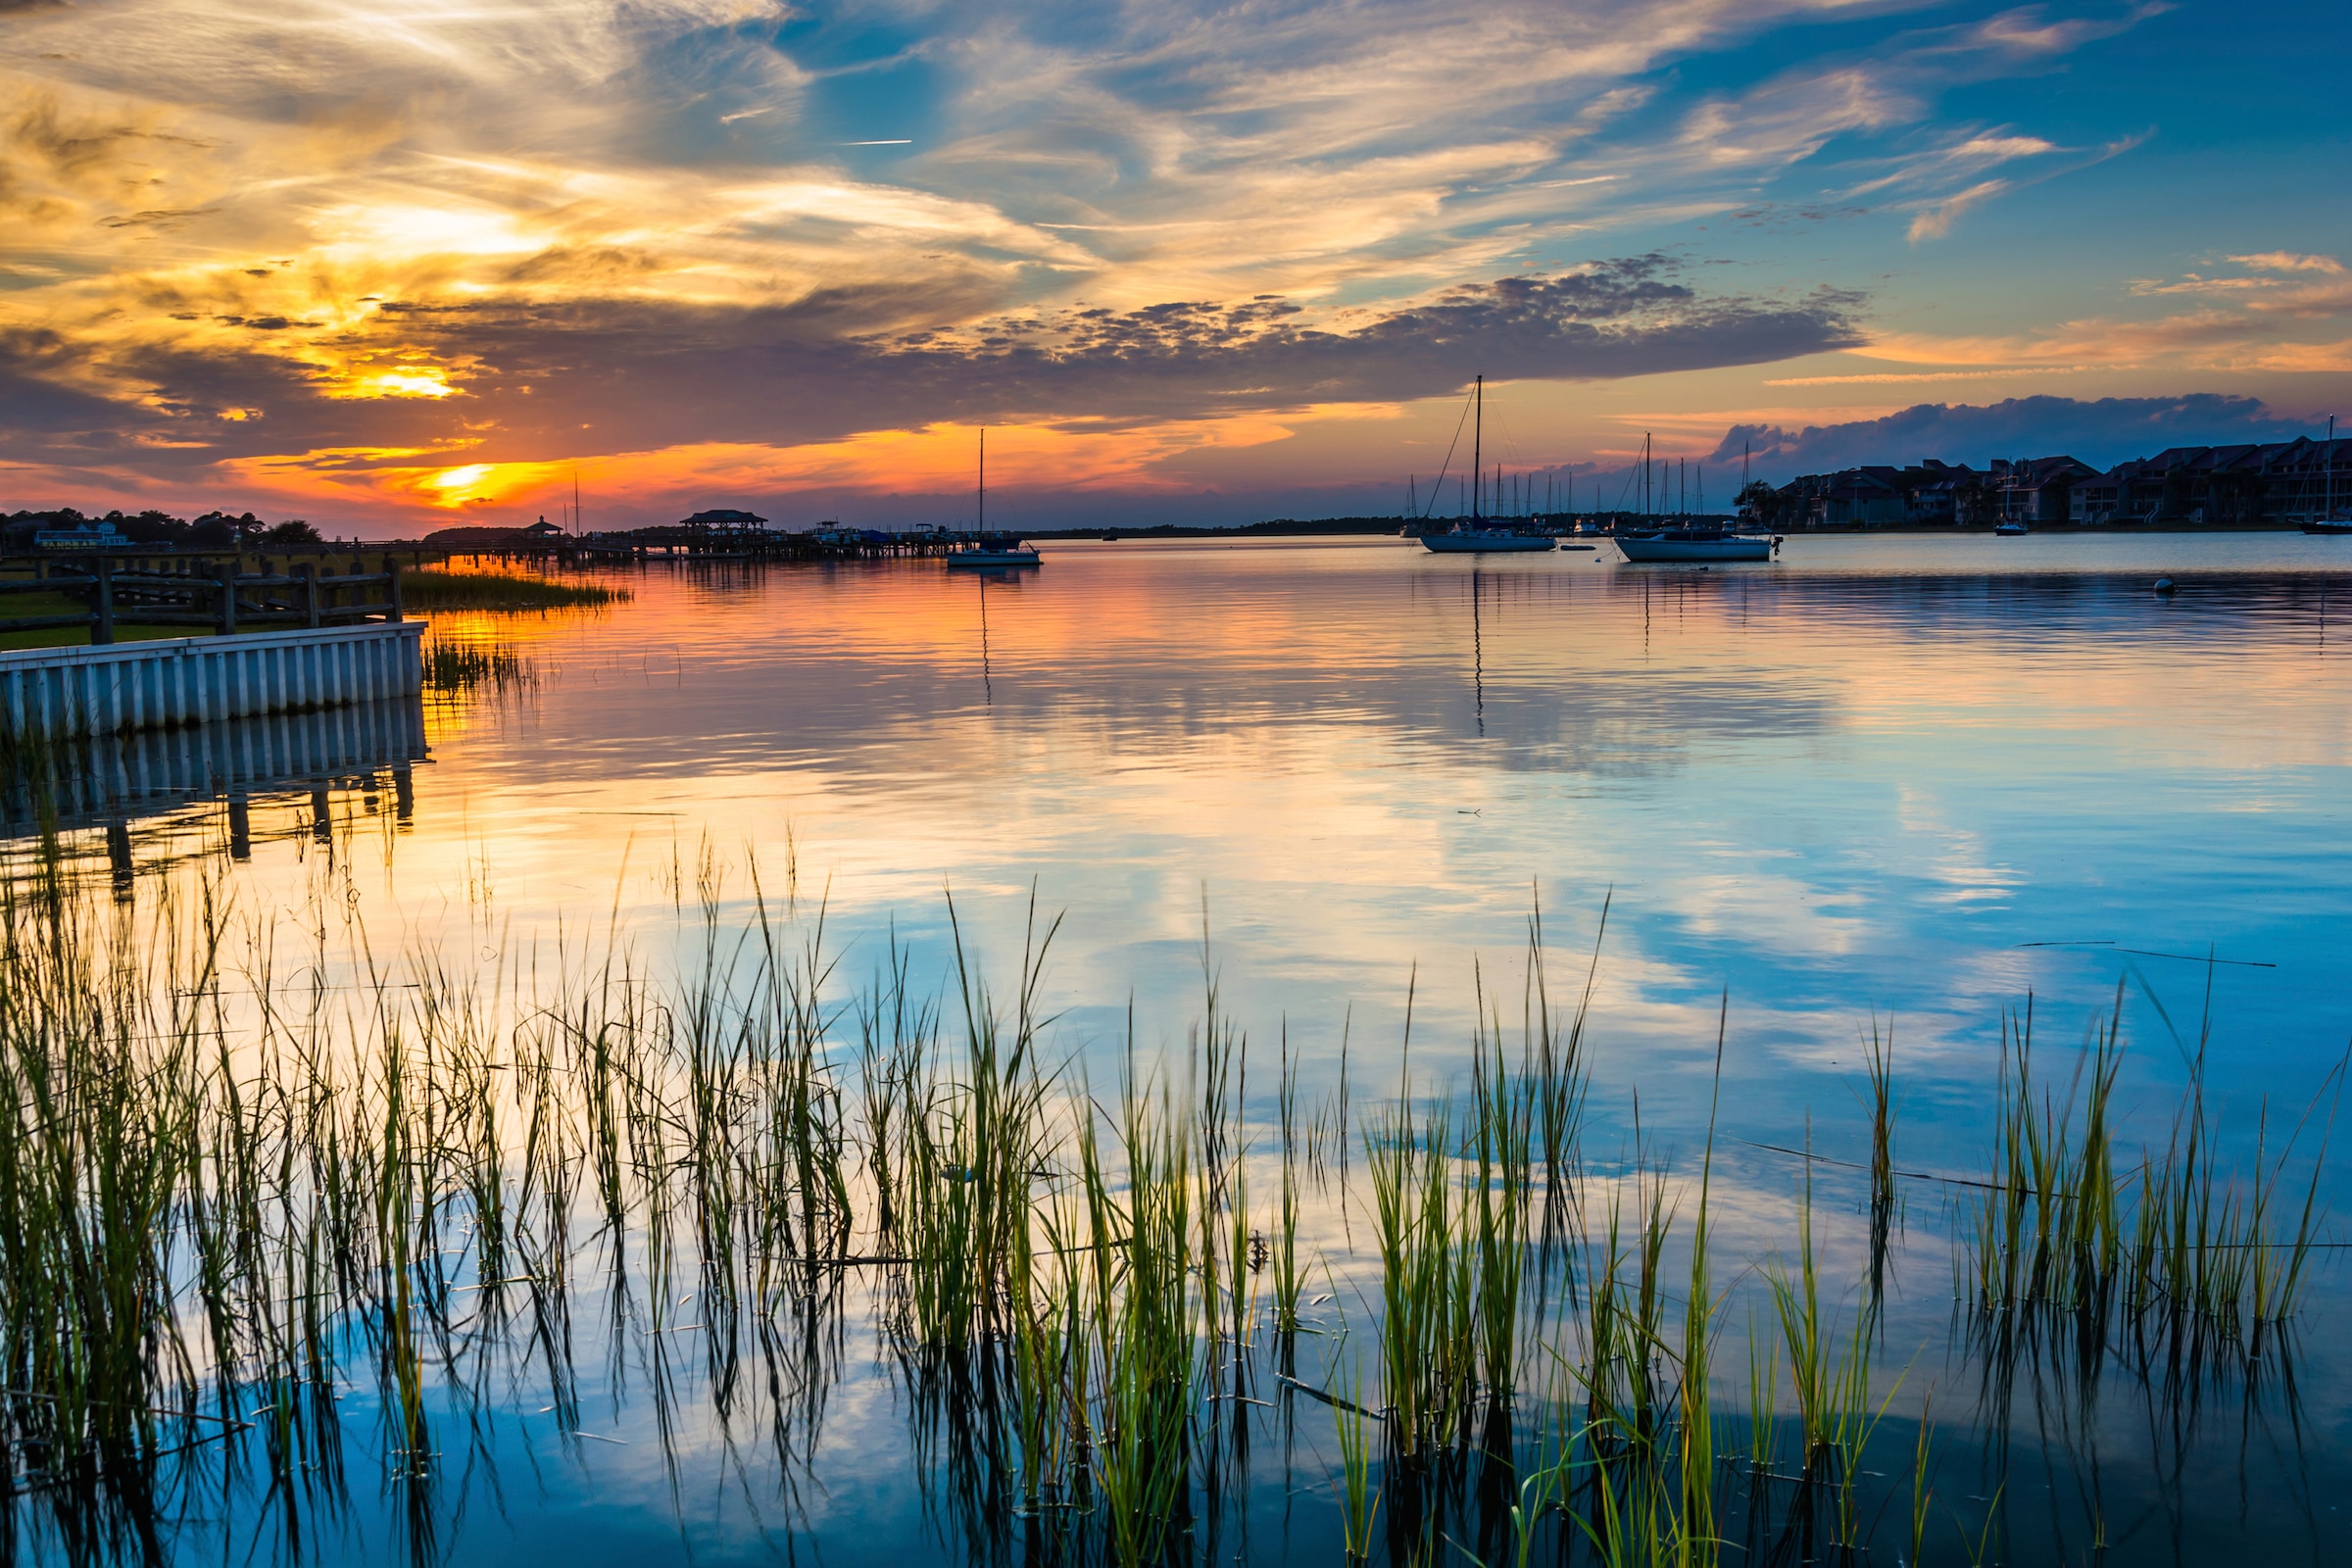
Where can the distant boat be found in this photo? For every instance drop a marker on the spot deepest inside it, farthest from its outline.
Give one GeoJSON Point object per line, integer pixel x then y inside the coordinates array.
{"type": "Point", "coordinates": [980, 555]}
{"type": "Point", "coordinates": [2327, 521]}
{"type": "Point", "coordinates": [2010, 530]}
{"type": "Point", "coordinates": [974, 556]}
{"type": "Point", "coordinates": [1655, 541]}
{"type": "Point", "coordinates": [1697, 544]}
{"type": "Point", "coordinates": [1467, 538]}
{"type": "Point", "coordinates": [1485, 542]}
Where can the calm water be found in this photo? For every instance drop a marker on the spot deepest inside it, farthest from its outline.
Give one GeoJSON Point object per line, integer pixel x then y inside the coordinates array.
{"type": "Point", "coordinates": [1882, 776]}
{"type": "Point", "coordinates": [1902, 782]}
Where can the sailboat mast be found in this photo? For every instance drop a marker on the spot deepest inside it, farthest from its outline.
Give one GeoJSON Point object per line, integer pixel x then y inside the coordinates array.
{"type": "Point", "coordinates": [1478, 461]}
{"type": "Point", "coordinates": [980, 505]}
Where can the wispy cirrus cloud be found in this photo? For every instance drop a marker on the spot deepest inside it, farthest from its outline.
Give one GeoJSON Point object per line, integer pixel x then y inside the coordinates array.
{"type": "Point", "coordinates": [2261, 318]}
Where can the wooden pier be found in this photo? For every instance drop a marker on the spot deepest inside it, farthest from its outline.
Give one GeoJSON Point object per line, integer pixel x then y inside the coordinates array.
{"type": "Point", "coordinates": [714, 545]}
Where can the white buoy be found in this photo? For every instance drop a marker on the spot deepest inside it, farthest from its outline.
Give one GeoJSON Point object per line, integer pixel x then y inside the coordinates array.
{"type": "Point", "coordinates": [2166, 585]}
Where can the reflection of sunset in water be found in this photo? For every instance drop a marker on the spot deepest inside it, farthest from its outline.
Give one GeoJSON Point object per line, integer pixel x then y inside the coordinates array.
{"type": "Point", "coordinates": [1854, 796]}
{"type": "Point", "coordinates": [1832, 790]}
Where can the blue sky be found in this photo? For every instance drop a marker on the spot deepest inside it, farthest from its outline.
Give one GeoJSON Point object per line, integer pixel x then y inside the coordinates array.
{"type": "Point", "coordinates": [379, 264]}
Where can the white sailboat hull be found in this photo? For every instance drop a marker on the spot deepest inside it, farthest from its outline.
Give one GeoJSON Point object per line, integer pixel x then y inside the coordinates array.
{"type": "Point", "coordinates": [974, 560]}
{"type": "Point", "coordinates": [1484, 542]}
{"type": "Point", "coordinates": [1730, 547]}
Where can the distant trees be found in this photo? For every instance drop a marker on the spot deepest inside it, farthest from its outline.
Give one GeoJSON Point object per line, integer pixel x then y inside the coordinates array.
{"type": "Point", "coordinates": [215, 531]}
{"type": "Point", "coordinates": [1757, 498]}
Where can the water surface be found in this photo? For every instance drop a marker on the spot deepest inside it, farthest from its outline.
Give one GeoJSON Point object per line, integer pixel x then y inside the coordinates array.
{"type": "Point", "coordinates": [1901, 784]}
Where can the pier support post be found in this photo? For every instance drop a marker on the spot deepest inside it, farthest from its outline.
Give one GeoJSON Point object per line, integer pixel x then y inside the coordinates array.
{"type": "Point", "coordinates": [102, 604]}
{"type": "Point", "coordinates": [228, 619]}
{"type": "Point", "coordinates": [118, 855]}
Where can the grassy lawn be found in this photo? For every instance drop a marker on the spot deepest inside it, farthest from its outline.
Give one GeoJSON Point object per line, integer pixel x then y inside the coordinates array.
{"type": "Point", "coordinates": [420, 591]}
{"type": "Point", "coordinates": [27, 605]}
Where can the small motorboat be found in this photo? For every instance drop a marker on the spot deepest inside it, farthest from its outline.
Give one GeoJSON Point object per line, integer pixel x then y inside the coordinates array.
{"type": "Point", "coordinates": [2010, 530]}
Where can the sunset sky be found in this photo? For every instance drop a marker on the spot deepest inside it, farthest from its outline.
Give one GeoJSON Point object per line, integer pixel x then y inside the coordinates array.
{"type": "Point", "coordinates": [390, 267]}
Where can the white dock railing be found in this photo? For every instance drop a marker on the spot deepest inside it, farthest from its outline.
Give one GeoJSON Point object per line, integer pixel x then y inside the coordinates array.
{"type": "Point", "coordinates": [189, 680]}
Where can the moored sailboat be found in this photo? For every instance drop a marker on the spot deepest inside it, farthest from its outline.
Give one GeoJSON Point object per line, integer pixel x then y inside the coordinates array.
{"type": "Point", "coordinates": [1467, 537]}
{"type": "Point", "coordinates": [980, 554]}
{"type": "Point", "coordinates": [1689, 544]}
{"type": "Point", "coordinates": [2328, 520]}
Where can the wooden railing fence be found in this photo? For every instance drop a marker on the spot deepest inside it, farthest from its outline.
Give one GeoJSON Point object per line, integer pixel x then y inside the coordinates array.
{"type": "Point", "coordinates": [216, 595]}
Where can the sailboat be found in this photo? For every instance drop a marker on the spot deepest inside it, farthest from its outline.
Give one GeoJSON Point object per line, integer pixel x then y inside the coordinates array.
{"type": "Point", "coordinates": [2327, 521]}
{"type": "Point", "coordinates": [1692, 544]}
{"type": "Point", "coordinates": [1467, 537]}
{"type": "Point", "coordinates": [980, 554]}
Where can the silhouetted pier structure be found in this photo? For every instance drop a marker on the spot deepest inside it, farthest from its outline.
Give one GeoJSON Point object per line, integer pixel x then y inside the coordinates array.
{"type": "Point", "coordinates": [717, 536]}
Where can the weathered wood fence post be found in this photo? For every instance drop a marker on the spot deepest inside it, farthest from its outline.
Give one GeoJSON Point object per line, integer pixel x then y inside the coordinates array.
{"type": "Point", "coordinates": [102, 602]}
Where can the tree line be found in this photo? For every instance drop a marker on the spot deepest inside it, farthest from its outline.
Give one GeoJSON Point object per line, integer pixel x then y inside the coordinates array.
{"type": "Point", "coordinates": [215, 531]}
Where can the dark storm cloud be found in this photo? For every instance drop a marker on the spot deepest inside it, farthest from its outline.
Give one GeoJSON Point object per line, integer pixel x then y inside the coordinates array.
{"type": "Point", "coordinates": [551, 380]}
{"type": "Point", "coordinates": [2102, 431]}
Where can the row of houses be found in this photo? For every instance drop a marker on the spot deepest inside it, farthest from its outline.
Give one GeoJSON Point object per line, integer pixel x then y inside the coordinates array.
{"type": "Point", "coordinates": [2281, 482]}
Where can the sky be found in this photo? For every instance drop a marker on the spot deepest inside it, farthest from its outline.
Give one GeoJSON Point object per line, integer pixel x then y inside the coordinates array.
{"type": "Point", "coordinates": [395, 267]}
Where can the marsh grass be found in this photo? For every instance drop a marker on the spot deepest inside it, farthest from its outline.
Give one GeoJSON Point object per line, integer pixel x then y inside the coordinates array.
{"type": "Point", "coordinates": [463, 668]}
{"type": "Point", "coordinates": [2169, 1249]}
{"type": "Point", "coordinates": [500, 592]}
{"type": "Point", "coordinates": [238, 1184]}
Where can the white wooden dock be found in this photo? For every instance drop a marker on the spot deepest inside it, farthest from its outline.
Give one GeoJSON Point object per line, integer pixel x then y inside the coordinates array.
{"type": "Point", "coordinates": [123, 687]}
